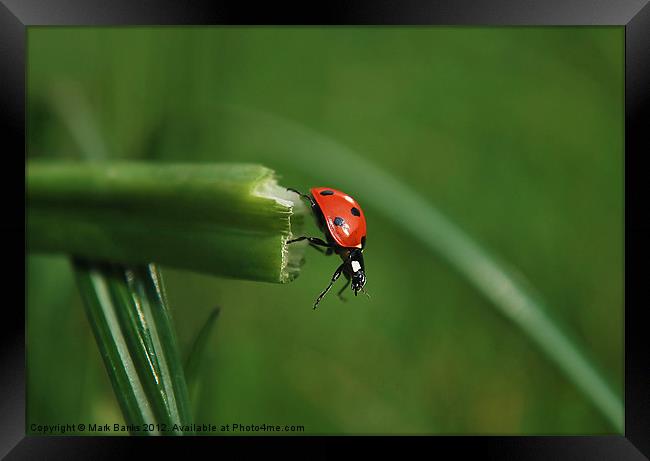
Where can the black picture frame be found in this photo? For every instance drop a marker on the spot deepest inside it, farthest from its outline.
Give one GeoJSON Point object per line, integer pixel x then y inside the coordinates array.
{"type": "Point", "coordinates": [634, 15]}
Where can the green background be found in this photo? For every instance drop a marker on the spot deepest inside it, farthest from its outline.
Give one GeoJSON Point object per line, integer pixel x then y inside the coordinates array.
{"type": "Point", "coordinates": [516, 134]}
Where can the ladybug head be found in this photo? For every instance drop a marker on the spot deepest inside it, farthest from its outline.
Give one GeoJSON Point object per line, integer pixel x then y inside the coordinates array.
{"type": "Point", "coordinates": [358, 281]}
{"type": "Point", "coordinates": [358, 271]}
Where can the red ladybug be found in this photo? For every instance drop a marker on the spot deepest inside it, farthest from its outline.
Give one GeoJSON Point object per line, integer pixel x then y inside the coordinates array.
{"type": "Point", "coordinates": [340, 218]}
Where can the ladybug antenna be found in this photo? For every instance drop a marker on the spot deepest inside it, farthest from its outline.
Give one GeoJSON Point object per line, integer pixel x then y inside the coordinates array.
{"type": "Point", "coordinates": [365, 292]}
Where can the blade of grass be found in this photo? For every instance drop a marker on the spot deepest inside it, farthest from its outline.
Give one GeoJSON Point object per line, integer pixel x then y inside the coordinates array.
{"type": "Point", "coordinates": [151, 288]}
{"type": "Point", "coordinates": [101, 311]}
{"type": "Point", "coordinates": [226, 219]}
{"type": "Point", "coordinates": [130, 314]}
{"type": "Point", "coordinates": [132, 324]}
{"type": "Point", "coordinates": [284, 141]}
{"type": "Point", "coordinates": [196, 354]}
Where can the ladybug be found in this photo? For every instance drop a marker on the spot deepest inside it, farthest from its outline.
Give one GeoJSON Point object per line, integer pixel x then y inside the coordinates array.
{"type": "Point", "coordinates": [340, 218]}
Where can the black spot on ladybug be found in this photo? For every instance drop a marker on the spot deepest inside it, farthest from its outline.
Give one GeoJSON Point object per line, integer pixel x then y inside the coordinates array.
{"type": "Point", "coordinates": [338, 221]}
{"type": "Point", "coordinates": [326, 192]}
{"type": "Point", "coordinates": [355, 211]}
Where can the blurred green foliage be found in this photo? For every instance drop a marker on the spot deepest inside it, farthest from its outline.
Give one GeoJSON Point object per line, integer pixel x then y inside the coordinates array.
{"type": "Point", "coordinates": [515, 133]}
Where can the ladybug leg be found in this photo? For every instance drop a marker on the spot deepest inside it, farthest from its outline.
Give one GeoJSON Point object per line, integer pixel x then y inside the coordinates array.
{"type": "Point", "coordinates": [328, 252]}
{"type": "Point", "coordinates": [335, 277]}
{"type": "Point", "coordinates": [311, 200]}
{"type": "Point", "coordinates": [316, 247]}
{"type": "Point", "coordinates": [312, 241]}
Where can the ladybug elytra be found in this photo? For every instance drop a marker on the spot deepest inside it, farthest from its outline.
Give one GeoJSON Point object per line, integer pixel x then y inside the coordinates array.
{"type": "Point", "coordinates": [342, 221]}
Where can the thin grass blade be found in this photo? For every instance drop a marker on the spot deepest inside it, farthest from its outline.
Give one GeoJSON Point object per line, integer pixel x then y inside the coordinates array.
{"type": "Point", "coordinates": [101, 310]}
{"type": "Point", "coordinates": [195, 357]}
{"type": "Point", "coordinates": [132, 325]}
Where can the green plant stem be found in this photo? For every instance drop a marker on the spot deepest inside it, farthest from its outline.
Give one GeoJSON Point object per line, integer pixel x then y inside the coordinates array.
{"type": "Point", "coordinates": [225, 219]}
{"type": "Point", "coordinates": [101, 311]}
{"type": "Point", "coordinates": [147, 282]}
{"type": "Point", "coordinates": [128, 313]}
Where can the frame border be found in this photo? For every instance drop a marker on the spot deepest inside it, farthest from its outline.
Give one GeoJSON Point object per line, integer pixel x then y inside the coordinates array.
{"type": "Point", "coordinates": [634, 15]}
